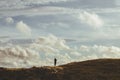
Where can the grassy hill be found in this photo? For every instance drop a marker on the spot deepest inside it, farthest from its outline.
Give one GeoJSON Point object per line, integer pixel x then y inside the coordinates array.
{"type": "Point", "coordinates": [101, 69]}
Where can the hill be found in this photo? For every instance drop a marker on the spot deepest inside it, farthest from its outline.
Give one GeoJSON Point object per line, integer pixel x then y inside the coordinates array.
{"type": "Point", "coordinates": [101, 69]}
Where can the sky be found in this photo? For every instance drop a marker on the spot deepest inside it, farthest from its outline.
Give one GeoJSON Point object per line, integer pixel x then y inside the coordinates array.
{"type": "Point", "coordinates": [93, 25]}
{"type": "Point", "coordinates": [84, 20]}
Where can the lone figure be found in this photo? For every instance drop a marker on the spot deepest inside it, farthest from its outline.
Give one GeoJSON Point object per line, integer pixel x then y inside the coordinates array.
{"type": "Point", "coordinates": [55, 61]}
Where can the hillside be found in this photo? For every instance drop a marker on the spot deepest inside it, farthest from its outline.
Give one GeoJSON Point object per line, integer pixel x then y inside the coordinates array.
{"type": "Point", "coordinates": [101, 69]}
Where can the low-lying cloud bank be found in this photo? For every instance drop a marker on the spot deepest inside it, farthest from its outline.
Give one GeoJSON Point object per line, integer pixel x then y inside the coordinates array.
{"type": "Point", "coordinates": [17, 57]}
{"type": "Point", "coordinates": [46, 48]}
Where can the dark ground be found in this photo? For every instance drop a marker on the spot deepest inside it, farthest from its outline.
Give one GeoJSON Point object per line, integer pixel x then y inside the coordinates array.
{"type": "Point", "coordinates": [101, 69]}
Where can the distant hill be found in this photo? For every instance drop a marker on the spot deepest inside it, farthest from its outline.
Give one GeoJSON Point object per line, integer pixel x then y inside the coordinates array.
{"type": "Point", "coordinates": [101, 69]}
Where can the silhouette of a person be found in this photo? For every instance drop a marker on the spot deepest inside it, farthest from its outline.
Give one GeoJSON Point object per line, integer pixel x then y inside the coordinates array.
{"type": "Point", "coordinates": [55, 61]}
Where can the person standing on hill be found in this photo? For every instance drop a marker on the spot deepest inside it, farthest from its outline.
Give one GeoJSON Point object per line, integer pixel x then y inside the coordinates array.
{"type": "Point", "coordinates": [55, 61]}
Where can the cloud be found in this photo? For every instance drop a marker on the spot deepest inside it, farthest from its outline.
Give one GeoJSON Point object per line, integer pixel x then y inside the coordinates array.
{"type": "Point", "coordinates": [117, 2]}
{"type": "Point", "coordinates": [52, 46]}
{"type": "Point", "coordinates": [42, 1]}
{"type": "Point", "coordinates": [9, 20]}
{"type": "Point", "coordinates": [21, 4]}
{"type": "Point", "coordinates": [50, 43]}
{"type": "Point", "coordinates": [43, 50]}
{"type": "Point", "coordinates": [33, 7]}
{"type": "Point", "coordinates": [91, 19]}
{"type": "Point", "coordinates": [33, 11]}
{"type": "Point", "coordinates": [23, 28]}
{"type": "Point", "coordinates": [101, 49]}
{"type": "Point", "coordinates": [54, 25]}
{"type": "Point", "coordinates": [17, 4]}
{"type": "Point", "coordinates": [18, 57]}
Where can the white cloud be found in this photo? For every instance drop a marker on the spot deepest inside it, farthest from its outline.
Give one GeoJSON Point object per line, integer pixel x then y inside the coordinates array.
{"type": "Point", "coordinates": [51, 43]}
{"type": "Point", "coordinates": [45, 49]}
{"type": "Point", "coordinates": [50, 48]}
{"type": "Point", "coordinates": [33, 11]}
{"type": "Point", "coordinates": [18, 7]}
{"type": "Point", "coordinates": [23, 28]}
{"type": "Point", "coordinates": [91, 19]}
{"type": "Point", "coordinates": [9, 20]}
{"type": "Point", "coordinates": [18, 57]}
{"type": "Point", "coordinates": [105, 50]}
